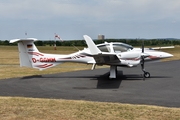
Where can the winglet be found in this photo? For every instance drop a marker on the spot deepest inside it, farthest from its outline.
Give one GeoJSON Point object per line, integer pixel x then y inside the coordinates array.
{"type": "Point", "coordinates": [93, 48]}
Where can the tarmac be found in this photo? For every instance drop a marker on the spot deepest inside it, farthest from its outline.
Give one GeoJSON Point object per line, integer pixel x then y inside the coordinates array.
{"type": "Point", "coordinates": [162, 89]}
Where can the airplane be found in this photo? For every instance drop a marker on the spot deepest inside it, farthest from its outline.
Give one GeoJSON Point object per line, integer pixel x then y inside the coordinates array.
{"type": "Point", "coordinates": [113, 54]}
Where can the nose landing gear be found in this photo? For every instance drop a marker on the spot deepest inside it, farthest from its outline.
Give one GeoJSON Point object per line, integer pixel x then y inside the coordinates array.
{"type": "Point", "coordinates": [146, 74]}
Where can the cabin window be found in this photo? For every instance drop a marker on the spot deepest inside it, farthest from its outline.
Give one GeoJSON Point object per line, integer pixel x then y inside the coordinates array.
{"type": "Point", "coordinates": [104, 48]}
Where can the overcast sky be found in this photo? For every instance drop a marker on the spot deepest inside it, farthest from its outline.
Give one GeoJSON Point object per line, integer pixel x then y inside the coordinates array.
{"type": "Point", "coordinates": [71, 19]}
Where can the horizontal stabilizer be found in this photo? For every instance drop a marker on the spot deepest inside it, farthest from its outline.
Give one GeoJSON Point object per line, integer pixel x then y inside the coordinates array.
{"type": "Point", "coordinates": [27, 39]}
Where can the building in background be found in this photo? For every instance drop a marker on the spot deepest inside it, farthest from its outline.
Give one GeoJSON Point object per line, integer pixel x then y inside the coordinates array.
{"type": "Point", "coordinates": [101, 37]}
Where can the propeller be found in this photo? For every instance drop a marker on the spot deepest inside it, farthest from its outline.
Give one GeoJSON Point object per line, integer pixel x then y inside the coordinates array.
{"type": "Point", "coordinates": [146, 74]}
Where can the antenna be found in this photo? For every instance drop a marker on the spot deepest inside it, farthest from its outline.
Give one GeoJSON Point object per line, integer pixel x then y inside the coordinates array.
{"type": "Point", "coordinates": [75, 46]}
{"type": "Point", "coordinates": [25, 34]}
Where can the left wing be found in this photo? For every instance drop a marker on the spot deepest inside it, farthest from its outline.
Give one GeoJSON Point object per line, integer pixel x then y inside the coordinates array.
{"type": "Point", "coordinates": [159, 48]}
{"type": "Point", "coordinates": [100, 57]}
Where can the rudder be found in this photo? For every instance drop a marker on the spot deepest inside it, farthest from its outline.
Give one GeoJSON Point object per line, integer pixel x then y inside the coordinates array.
{"type": "Point", "coordinates": [24, 47]}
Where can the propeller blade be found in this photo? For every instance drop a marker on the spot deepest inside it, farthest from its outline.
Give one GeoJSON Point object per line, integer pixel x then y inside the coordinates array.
{"type": "Point", "coordinates": [142, 46]}
{"type": "Point", "coordinates": [142, 66]}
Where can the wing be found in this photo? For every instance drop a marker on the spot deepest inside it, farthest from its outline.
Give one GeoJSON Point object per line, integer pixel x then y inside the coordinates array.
{"type": "Point", "coordinates": [159, 48]}
{"type": "Point", "coordinates": [100, 57]}
{"type": "Point", "coordinates": [106, 58]}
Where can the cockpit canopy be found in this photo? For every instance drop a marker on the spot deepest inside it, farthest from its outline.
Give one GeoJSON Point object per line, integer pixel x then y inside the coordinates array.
{"type": "Point", "coordinates": [116, 47]}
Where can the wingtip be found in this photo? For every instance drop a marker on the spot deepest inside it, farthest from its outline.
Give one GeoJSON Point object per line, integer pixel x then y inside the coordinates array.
{"type": "Point", "coordinates": [86, 36]}
{"type": "Point", "coordinates": [13, 40]}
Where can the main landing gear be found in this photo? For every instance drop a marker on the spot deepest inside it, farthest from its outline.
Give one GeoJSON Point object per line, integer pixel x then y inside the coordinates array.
{"type": "Point", "coordinates": [113, 72]}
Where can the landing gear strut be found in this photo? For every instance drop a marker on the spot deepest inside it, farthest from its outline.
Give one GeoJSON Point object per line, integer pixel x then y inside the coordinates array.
{"type": "Point", "coordinates": [146, 74]}
{"type": "Point", "coordinates": [113, 72]}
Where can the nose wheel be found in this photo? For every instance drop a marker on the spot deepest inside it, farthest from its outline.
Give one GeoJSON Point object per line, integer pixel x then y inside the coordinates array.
{"type": "Point", "coordinates": [147, 74]}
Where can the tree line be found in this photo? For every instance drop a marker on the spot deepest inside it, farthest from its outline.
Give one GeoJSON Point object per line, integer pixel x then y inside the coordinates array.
{"type": "Point", "coordinates": [133, 42]}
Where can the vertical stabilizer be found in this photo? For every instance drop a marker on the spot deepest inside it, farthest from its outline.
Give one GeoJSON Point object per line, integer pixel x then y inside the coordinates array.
{"type": "Point", "coordinates": [25, 46]}
{"type": "Point", "coordinates": [31, 57]}
{"type": "Point", "coordinates": [93, 48]}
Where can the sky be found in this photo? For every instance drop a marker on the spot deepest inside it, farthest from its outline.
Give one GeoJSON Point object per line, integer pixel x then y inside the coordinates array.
{"type": "Point", "coordinates": [71, 19]}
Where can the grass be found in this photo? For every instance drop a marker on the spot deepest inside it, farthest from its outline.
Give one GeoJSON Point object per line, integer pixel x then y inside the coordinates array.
{"type": "Point", "coordinates": [15, 108]}
{"type": "Point", "coordinates": [19, 108]}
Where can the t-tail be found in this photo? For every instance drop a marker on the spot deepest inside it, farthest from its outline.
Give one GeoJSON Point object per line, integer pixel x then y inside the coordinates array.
{"type": "Point", "coordinates": [30, 56]}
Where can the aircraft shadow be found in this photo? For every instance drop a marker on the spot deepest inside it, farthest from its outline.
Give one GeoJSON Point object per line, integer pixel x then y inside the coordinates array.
{"type": "Point", "coordinates": [103, 81]}
{"type": "Point", "coordinates": [42, 76]}
{"type": "Point", "coordinates": [32, 76]}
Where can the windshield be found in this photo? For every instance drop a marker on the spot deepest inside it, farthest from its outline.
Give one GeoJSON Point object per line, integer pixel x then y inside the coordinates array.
{"type": "Point", "coordinates": [121, 48]}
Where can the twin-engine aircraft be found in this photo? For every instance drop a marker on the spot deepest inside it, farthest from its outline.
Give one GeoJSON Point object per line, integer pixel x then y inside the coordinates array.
{"type": "Point", "coordinates": [113, 54]}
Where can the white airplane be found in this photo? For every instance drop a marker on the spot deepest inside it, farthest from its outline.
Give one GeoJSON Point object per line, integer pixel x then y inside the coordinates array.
{"type": "Point", "coordinates": [113, 54]}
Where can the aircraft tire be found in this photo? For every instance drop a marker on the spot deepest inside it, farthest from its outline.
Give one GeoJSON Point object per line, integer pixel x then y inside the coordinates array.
{"type": "Point", "coordinates": [147, 75]}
